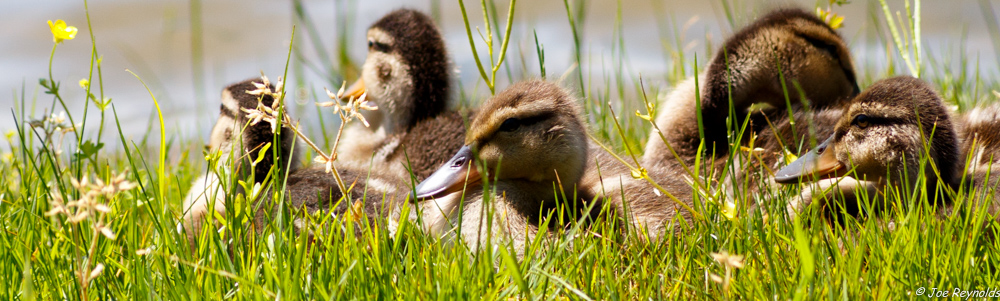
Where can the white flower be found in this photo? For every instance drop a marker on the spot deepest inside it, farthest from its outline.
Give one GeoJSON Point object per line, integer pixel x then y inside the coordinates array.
{"type": "Point", "coordinates": [96, 271]}
{"type": "Point", "coordinates": [728, 260]}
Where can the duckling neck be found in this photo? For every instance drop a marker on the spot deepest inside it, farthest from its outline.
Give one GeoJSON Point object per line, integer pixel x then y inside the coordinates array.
{"type": "Point", "coordinates": [431, 83]}
{"type": "Point", "coordinates": [376, 119]}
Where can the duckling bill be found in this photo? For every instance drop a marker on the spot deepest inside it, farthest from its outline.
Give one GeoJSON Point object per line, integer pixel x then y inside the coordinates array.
{"type": "Point", "coordinates": [452, 177]}
{"type": "Point", "coordinates": [820, 163]}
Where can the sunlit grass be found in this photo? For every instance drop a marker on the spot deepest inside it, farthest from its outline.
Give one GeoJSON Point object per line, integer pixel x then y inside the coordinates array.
{"type": "Point", "coordinates": [890, 255]}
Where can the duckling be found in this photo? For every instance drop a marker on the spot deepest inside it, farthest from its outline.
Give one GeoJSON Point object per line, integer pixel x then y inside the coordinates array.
{"type": "Point", "coordinates": [747, 71]}
{"type": "Point", "coordinates": [877, 147]}
{"type": "Point", "coordinates": [529, 142]}
{"type": "Point", "coordinates": [238, 142]}
{"type": "Point", "coordinates": [406, 75]}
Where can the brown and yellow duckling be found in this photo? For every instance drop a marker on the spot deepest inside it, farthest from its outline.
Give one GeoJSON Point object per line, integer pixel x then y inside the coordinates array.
{"type": "Point", "coordinates": [980, 138]}
{"type": "Point", "coordinates": [527, 142]}
{"type": "Point", "coordinates": [406, 76]}
{"type": "Point", "coordinates": [980, 134]}
{"type": "Point", "coordinates": [747, 71]}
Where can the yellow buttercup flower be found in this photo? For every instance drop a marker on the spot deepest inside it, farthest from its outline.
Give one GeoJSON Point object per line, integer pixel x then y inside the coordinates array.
{"type": "Point", "coordinates": [84, 83]}
{"type": "Point", "coordinates": [831, 18]}
{"type": "Point", "coordinates": [729, 210]}
{"type": "Point", "coordinates": [62, 32]}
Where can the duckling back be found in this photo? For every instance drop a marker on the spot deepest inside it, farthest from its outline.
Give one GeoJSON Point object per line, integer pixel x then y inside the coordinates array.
{"type": "Point", "coordinates": [643, 208]}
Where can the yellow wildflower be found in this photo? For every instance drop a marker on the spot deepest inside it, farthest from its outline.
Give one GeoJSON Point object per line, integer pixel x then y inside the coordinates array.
{"type": "Point", "coordinates": [833, 19]}
{"type": "Point", "coordinates": [84, 83]}
{"type": "Point", "coordinates": [62, 32]}
{"type": "Point", "coordinates": [789, 157]}
{"type": "Point", "coordinates": [729, 210]}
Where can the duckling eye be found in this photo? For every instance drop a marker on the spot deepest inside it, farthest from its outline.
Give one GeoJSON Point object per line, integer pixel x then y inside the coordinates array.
{"type": "Point", "coordinates": [510, 125]}
{"type": "Point", "coordinates": [377, 46]}
{"type": "Point", "coordinates": [860, 121]}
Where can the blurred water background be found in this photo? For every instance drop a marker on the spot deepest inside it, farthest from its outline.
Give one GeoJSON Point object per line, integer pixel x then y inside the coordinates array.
{"type": "Point", "coordinates": [159, 41]}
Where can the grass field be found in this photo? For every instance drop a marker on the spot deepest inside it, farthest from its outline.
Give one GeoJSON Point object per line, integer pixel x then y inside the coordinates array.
{"type": "Point", "coordinates": [113, 237]}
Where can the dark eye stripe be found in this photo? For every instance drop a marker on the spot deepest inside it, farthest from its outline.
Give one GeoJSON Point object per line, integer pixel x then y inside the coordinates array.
{"type": "Point", "coordinates": [535, 119]}
{"type": "Point", "coordinates": [510, 125]}
{"type": "Point", "coordinates": [513, 123]}
{"type": "Point", "coordinates": [377, 46]}
{"type": "Point", "coordinates": [830, 49]}
{"type": "Point", "coordinates": [878, 120]}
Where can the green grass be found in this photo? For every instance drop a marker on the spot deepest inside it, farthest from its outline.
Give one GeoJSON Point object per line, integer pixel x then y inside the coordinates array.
{"type": "Point", "coordinates": [889, 256]}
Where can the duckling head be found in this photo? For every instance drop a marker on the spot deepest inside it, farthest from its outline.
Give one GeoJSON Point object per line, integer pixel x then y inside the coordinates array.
{"type": "Point", "coordinates": [529, 135]}
{"type": "Point", "coordinates": [884, 135]}
{"type": "Point", "coordinates": [788, 43]}
{"type": "Point", "coordinates": [405, 72]}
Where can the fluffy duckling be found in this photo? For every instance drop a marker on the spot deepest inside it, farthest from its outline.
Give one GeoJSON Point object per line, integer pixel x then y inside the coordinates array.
{"type": "Point", "coordinates": [877, 147]}
{"type": "Point", "coordinates": [747, 71]}
{"type": "Point", "coordinates": [529, 143]}
{"type": "Point", "coordinates": [406, 75]}
{"type": "Point", "coordinates": [238, 142]}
